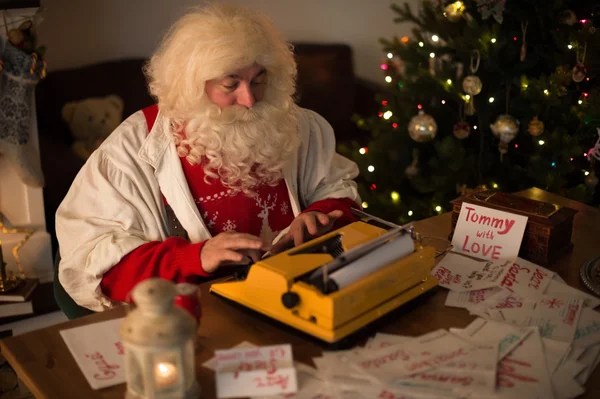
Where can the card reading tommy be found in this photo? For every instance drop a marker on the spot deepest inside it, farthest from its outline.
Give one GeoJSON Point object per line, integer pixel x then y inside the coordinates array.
{"type": "Point", "coordinates": [261, 371]}
{"type": "Point", "coordinates": [488, 233]}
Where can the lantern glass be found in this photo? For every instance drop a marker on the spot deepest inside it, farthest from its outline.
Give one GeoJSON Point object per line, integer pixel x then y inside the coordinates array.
{"type": "Point", "coordinates": [167, 372]}
{"type": "Point", "coordinates": [134, 369]}
{"type": "Point", "coordinates": [189, 359]}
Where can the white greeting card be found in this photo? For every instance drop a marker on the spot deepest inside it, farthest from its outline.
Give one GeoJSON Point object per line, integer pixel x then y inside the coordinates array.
{"type": "Point", "coordinates": [260, 371]}
{"type": "Point", "coordinates": [98, 351]}
{"type": "Point", "coordinates": [488, 233]}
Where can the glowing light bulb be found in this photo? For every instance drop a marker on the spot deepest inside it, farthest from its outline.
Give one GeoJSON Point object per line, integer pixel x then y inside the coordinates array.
{"type": "Point", "coordinates": [421, 44]}
{"type": "Point", "coordinates": [435, 38]}
{"type": "Point", "coordinates": [371, 168]}
{"type": "Point", "coordinates": [570, 46]}
{"type": "Point", "coordinates": [387, 115]}
{"type": "Point", "coordinates": [491, 99]}
{"type": "Point", "coordinates": [580, 102]}
{"type": "Point", "coordinates": [541, 142]}
{"type": "Point", "coordinates": [449, 81]}
{"type": "Point", "coordinates": [395, 125]}
{"type": "Point", "coordinates": [390, 55]}
{"type": "Point", "coordinates": [388, 79]}
{"type": "Point", "coordinates": [384, 66]}
{"type": "Point", "coordinates": [475, 127]}
{"type": "Point", "coordinates": [495, 185]}
{"type": "Point", "coordinates": [432, 55]}
{"type": "Point", "coordinates": [410, 213]}
{"type": "Point", "coordinates": [395, 196]}
{"type": "Point", "coordinates": [405, 39]}
{"type": "Point", "coordinates": [365, 205]}
{"type": "Point", "coordinates": [586, 173]}
{"type": "Point", "coordinates": [493, 40]}
{"type": "Point", "coordinates": [467, 97]}
{"type": "Point", "coordinates": [546, 92]}
{"type": "Point", "coordinates": [553, 164]}
{"type": "Point", "coordinates": [438, 208]}
{"type": "Point", "coordinates": [443, 101]}
{"type": "Point", "coordinates": [362, 151]}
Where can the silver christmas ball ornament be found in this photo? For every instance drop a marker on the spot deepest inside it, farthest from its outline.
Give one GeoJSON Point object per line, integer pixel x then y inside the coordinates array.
{"type": "Point", "coordinates": [422, 127]}
{"type": "Point", "coordinates": [505, 128]}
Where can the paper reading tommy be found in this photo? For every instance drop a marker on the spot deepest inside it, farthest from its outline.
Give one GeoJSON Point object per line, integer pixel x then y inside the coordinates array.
{"type": "Point", "coordinates": [488, 233]}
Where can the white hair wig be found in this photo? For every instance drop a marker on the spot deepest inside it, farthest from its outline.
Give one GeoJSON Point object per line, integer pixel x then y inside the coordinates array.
{"type": "Point", "coordinates": [212, 42]}
{"type": "Point", "coordinates": [243, 147]}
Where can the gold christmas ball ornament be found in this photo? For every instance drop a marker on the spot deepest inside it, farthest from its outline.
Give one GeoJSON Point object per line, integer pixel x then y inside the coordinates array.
{"type": "Point", "coordinates": [454, 11]}
{"type": "Point", "coordinates": [568, 17]}
{"type": "Point", "coordinates": [536, 127]}
{"type": "Point", "coordinates": [579, 72]}
{"type": "Point", "coordinates": [461, 130]}
{"type": "Point", "coordinates": [411, 171]}
{"type": "Point", "coordinates": [591, 180]}
{"type": "Point", "coordinates": [472, 85]}
{"type": "Point", "coordinates": [422, 127]}
{"type": "Point", "coordinates": [505, 128]}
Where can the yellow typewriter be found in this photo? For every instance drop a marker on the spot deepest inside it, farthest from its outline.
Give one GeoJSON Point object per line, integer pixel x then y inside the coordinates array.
{"type": "Point", "coordinates": [335, 284]}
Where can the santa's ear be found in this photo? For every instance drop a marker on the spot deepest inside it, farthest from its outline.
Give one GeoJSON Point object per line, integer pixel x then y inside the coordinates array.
{"type": "Point", "coordinates": [116, 102]}
{"type": "Point", "coordinates": [68, 111]}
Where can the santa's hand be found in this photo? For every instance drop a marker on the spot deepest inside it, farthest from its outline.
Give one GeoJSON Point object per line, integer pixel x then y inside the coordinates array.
{"type": "Point", "coordinates": [305, 227]}
{"type": "Point", "coordinates": [230, 247]}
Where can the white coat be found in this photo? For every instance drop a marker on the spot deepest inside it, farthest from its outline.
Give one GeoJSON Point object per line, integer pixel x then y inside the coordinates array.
{"type": "Point", "coordinates": [115, 202]}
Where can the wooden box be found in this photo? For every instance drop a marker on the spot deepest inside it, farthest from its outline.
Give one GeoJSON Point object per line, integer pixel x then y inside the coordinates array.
{"type": "Point", "coordinates": [549, 226]}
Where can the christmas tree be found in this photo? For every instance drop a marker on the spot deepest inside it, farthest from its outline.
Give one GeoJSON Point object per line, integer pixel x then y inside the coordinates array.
{"type": "Point", "coordinates": [484, 94]}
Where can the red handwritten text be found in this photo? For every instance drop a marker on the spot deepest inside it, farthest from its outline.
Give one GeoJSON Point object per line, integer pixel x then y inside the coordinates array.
{"type": "Point", "coordinates": [511, 276]}
{"type": "Point", "coordinates": [120, 348]}
{"type": "Point", "coordinates": [272, 380]}
{"type": "Point", "coordinates": [484, 249]}
{"type": "Point", "coordinates": [571, 313]}
{"type": "Point", "coordinates": [381, 360]}
{"type": "Point", "coordinates": [445, 276]}
{"type": "Point", "coordinates": [507, 371]}
{"type": "Point", "coordinates": [537, 278]}
{"type": "Point", "coordinates": [502, 225]}
{"type": "Point", "coordinates": [106, 371]}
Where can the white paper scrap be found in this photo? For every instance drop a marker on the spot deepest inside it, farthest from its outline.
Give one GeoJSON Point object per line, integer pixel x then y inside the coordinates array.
{"type": "Point", "coordinates": [558, 289]}
{"type": "Point", "coordinates": [98, 351]}
{"type": "Point", "coordinates": [260, 371]}
{"type": "Point", "coordinates": [460, 273]}
{"type": "Point", "coordinates": [526, 279]}
{"type": "Point", "coordinates": [469, 298]}
{"type": "Point", "coordinates": [588, 329]}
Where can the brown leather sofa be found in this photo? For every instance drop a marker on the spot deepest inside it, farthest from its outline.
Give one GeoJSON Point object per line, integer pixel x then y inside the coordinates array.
{"type": "Point", "coordinates": [326, 84]}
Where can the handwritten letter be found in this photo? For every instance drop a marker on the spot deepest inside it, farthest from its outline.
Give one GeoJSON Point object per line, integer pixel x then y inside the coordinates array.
{"type": "Point", "coordinates": [488, 233]}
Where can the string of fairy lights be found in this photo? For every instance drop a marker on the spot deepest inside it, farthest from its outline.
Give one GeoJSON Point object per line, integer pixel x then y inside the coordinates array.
{"type": "Point", "coordinates": [453, 10]}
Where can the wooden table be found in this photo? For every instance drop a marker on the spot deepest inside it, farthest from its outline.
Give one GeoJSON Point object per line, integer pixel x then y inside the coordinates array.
{"type": "Point", "coordinates": [42, 360]}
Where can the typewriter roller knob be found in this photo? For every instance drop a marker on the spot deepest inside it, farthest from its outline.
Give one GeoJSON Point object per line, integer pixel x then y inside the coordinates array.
{"type": "Point", "coordinates": [290, 300]}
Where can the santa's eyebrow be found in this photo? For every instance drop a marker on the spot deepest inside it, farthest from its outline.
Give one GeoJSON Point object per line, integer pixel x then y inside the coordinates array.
{"type": "Point", "coordinates": [236, 76]}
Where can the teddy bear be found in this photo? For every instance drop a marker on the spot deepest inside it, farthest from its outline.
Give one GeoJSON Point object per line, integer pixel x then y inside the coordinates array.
{"type": "Point", "coordinates": [91, 121]}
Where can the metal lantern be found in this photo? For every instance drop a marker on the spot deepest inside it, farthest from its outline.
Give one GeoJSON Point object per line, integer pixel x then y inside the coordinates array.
{"type": "Point", "coordinates": [159, 340]}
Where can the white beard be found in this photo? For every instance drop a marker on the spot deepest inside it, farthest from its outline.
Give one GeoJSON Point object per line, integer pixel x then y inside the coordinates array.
{"type": "Point", "coordinates": [243, 147]}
